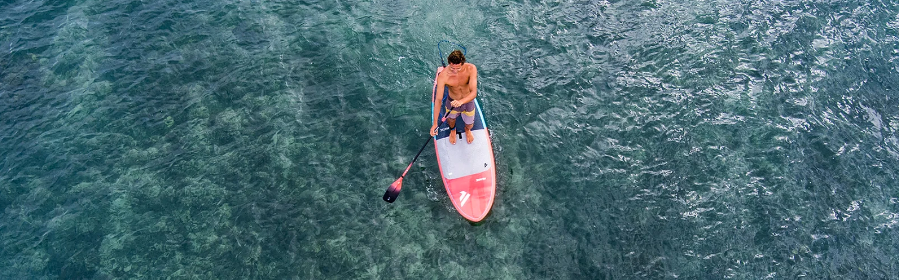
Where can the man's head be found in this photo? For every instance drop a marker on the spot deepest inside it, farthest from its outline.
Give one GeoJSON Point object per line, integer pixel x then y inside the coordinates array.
{"type": "Point", "coordinates": [456, 57]}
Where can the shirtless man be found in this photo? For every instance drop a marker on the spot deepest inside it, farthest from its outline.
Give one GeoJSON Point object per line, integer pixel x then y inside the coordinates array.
{"type": "Point", "coordinates": [462, 80]}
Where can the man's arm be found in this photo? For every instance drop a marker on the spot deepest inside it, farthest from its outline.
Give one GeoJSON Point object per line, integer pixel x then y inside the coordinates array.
{"type": "Point", "coordinates": [438, 99]}
{"type": "Point", "coordinates": [473, 84]}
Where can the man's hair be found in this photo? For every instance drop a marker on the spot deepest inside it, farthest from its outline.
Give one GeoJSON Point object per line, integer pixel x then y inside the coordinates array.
{"type": "Point", "coordinates": [456, 57]}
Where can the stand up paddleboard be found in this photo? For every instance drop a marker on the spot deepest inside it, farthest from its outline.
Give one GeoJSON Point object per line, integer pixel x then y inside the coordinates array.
{"type": "Point", "coordinates": [468, 170]}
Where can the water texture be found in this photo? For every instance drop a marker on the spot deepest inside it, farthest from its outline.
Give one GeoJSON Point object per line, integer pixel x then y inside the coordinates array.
{"type": "Point", "coordinates": [253, 139]}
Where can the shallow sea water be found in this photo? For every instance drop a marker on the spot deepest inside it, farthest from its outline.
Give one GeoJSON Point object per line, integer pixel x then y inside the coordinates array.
{"type": "Point", "coordinates": [253, 139]}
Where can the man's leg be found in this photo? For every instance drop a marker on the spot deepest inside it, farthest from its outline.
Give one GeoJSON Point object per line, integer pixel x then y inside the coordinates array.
{"type": "Point", "coordinates": [468, 118]}
{"type": "Point", "coordinates": [451, 122]}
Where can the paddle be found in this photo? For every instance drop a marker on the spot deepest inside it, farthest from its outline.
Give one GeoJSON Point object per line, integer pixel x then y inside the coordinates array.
{"type": "Point", "coordinates": [394, 189]}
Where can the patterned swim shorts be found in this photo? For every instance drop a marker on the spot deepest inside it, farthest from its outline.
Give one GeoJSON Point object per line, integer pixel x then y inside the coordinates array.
{"type": "Point", "coordinates": [467, 111]}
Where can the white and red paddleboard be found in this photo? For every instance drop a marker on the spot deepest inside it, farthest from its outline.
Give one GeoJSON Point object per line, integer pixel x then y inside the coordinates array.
{"type": "Point", "coordinates": [468, 170]}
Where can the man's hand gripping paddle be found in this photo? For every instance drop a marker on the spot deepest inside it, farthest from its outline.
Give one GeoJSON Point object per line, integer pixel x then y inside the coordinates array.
{"type": "Point", "coordinates": [394, 189]}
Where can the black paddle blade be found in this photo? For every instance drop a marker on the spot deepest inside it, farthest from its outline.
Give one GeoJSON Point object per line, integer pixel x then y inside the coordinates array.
{"type": "Point", "coordinates": [393, 191]}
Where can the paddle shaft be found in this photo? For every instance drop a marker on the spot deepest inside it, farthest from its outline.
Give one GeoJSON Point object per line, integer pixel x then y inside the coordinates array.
{"type": "Point", "coordinates": [416, 156]}
{"type": "Point", "coordinates": [442, 120]}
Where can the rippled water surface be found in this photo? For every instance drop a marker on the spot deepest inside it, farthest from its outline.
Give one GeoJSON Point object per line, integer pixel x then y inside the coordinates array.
{"type": "Point", "coordinates": [253, 139]}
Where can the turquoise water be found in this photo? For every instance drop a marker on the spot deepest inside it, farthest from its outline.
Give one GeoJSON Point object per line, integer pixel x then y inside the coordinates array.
{"type": "Point", "coordinates": [253, 139]}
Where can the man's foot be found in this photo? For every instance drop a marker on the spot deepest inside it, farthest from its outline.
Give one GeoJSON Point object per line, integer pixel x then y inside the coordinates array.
{"type": "Point", "coordinates": [452, 136]}
{"type": "Point", "coordinates": [468, 135]}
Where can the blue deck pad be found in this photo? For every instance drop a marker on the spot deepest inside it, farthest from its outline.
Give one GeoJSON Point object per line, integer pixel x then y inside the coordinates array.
{"type": "Point", "coordinates": [460, 125]}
